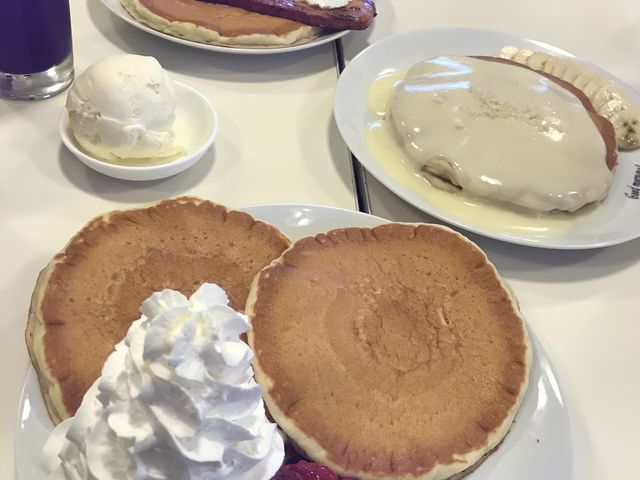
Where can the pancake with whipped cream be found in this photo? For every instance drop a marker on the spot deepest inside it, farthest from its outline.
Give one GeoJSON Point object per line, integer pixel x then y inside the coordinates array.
{"type": "Point", "coordinates": [131, 424]}
{"type": "Point", "coordinates": [504, 132]}
{"type": "Point", "coordinates": [86, 298]}
{"type": "Point", "coordinates": [393, 352]}
{"type": "Point", "coordinates": [215, 23]}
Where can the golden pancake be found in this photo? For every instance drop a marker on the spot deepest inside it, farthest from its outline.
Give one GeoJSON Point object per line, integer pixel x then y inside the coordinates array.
{"type": "Point", "coordinates": [88, 295]}
{"type": "Point", "coordinates": [215, 23]}
{"type": "Point", "coordinates": [393, 352]}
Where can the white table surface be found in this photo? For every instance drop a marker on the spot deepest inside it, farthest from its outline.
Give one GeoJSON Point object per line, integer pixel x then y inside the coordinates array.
{"type": "Point", "coordinates": [583, 306]}
{"type": "Point", "coordinates": [278, 143]}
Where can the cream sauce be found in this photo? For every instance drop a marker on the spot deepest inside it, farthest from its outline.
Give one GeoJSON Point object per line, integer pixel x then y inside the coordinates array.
{"type": "Point", "coordinates": [475, 212]}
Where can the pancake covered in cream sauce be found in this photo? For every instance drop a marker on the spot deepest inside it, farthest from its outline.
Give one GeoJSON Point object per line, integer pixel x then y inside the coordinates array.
{"type": "Point", "coordinates": [503, 132]}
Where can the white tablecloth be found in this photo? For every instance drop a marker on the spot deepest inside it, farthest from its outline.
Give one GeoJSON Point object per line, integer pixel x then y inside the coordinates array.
{"type": "Point", "coordinates": [278, 143]}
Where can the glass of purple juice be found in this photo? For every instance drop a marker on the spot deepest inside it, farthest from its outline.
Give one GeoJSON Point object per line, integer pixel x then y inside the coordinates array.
{"type": "Point", "coordinates": [36, 59]}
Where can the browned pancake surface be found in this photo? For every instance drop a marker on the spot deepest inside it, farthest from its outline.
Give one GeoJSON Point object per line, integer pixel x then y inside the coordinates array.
{"type": "Point", "coordinates": [86, 299]}
{"type": "Point", "coordinates": [387, 350]}
{"type": "Point", "coordinates": [356, 15]}
{"type": "Point", "coordinates": [226, 20]}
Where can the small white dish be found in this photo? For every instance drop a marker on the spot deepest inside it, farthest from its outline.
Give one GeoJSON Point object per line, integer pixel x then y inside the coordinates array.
{"type": "Point", "coordinates": [196, 126]}
{"type": "Point", "coordinates": [117, 9]}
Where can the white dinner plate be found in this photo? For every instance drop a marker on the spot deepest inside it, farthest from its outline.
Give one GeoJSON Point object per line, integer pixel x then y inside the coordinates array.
{"type": "Point", "coordinates": [612, 222]}
{"type": "Point", "coordinates": [116, 8]}
{"type": "Point", "coordinates": [538, 446]}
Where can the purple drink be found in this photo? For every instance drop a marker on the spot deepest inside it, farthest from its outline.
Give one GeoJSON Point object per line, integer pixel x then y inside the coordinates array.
{"type": "Point", "coordinates": [35, 48]}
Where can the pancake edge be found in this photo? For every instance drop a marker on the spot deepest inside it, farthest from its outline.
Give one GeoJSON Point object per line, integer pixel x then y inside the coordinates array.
{"type": "Point", "coordinates": [34, 337]}
{"type": "Point", "coordinates": [463, 462]}
{"type": "Point", "coordinates": [197, 33]}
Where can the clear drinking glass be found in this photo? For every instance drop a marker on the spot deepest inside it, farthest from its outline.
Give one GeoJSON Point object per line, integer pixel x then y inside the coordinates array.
{"type": "Point", "coordinates": [36, 59]}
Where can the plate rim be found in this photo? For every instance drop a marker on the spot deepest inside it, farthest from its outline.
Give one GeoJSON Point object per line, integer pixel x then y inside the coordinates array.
{"type": "Point", "coordinates": [406, 194]}
{"type": "Point", "coordinates": [322, 39]}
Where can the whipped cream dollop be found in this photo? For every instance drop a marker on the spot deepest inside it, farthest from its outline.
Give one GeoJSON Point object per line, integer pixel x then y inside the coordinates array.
{"type": "Point", "coordinates": [176, 401]}
{"type": "Point", "coordinates": [327, 3]}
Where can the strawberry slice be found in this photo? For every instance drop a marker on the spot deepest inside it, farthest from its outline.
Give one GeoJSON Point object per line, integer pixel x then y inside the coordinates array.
{"type": "Point", "coordinates": [304, 470]}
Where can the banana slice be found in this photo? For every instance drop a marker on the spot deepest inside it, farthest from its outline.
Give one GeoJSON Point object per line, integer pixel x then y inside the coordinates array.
{"type": "Point", "coordinates": [559, 68]}
{"type": "Point", "coordinates": [549, 64]}
{"type": "Point", "coordinates": [509, 52]}
{"type": "Point", "coordinates": [522, 55]}
{"type": "Point", "coordinates": [611, 108]}
{"type": "Point", "coordinates": [603, 95]}
{"type": "Point", "coordinates": [591, 88]}
{"type": "Point", "coordinates": [572, 72]}
{"type": "Point", "coordinates": [582, 80]}
{"type": "Point", "coordinates": [607, 98]}
{"type": "Point", "coordinates": [627, 126]}
{"type": "Point", "coordinates": [538, 60]}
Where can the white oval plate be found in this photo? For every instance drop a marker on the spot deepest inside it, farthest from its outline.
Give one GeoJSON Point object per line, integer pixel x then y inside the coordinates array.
{"type": "Point", "coordinates": [614, 221]}
{"type": "Point", "coordinates": [192, 108]}
{"type": "Point", "coordinates": [538, 446]}
{"type": "Point", "coordinates": [118, 11]}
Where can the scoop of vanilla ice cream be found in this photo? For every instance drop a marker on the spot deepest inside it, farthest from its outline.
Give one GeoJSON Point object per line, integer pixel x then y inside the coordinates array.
{"type": "Point", "coordinates": [176, 401]}
{"type": "Point", "coordinates": [123, 107]}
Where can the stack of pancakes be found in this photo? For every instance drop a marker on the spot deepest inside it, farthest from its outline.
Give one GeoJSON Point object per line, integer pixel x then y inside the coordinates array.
{"type": "Point", "coordinates": [393, 352]}
{"type": "Point", "coordinates": [255, 23]}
